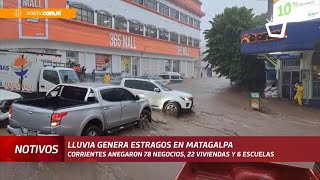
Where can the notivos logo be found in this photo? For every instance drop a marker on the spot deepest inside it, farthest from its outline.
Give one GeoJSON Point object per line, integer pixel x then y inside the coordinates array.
{"type": "Point", "coordinates": [4, 67]}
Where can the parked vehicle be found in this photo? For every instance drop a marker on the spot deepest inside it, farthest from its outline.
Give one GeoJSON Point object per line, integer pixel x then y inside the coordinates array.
{"type": "Point", "coordinates": [245, 171]}
{"type": "Point", "coordinates": [29, 72]}
{"type": "Point", "coordinates": [171, 77]}
{"type": "Point", "coordinates": [6, 99]}
{"type": "Point", "coordinates": [85, 109]}
{"type": "Point", "coordinates": [155, 77]}
{"type": "Point", "coordinates": [160, 96]}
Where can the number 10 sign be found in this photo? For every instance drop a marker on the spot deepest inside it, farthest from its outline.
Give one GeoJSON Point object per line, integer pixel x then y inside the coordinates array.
{"type": "Point", "coordinates": [295, 10]}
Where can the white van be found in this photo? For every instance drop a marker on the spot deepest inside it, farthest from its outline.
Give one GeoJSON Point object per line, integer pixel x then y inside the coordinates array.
{"type": "Point", "coordinates": [171, 77]}
{"type": "Point", "coordinates": [29, 72]}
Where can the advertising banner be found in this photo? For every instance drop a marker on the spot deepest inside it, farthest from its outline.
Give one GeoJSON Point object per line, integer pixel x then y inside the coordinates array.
{"type": "Point", "coordinates": [160, 149]}
{"type": "Point", "coordinates": [295, 10]}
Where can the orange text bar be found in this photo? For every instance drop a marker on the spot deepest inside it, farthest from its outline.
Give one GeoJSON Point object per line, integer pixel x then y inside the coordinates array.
{"type": "Point", "coordinates": [38, 13]}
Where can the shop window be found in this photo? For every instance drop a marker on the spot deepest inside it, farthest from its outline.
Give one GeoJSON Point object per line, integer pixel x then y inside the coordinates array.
{"type": "Point", "coordinates": [183, 18]}
{"type": "Point", "coordinates": [120, 23]}
{"type": "Point", "coordinates": [152, 4]}
{"type": "Point", "coordinates": [83, 14]}
{"type": "Point", "coordinates": [125, 65]}
{"type": "Point", "coordinates": [164, 9]}
{"type": "Point", "coordinates": [197, 23]}
{"type": "Point", "coordinates": [72, 57]}
{"type": "Point", "coordinates": [167, 64]}
{"type": "Point", "coordinates": [104, 19]}
{"type": "Point", "coordinates": [135, 27]}
{"type": "Point", "coordinates": [103, 62]}
{"type": "Point", "coordinates": [135, 66]}
{"type": "Point", "coordinates": [1, 3]}
{"type": "Point", "coordinates": [190, 41]}
{"type": "Point", "coordinates": [138, 2]}
{"type": "Point", "coordinates": [174, 13]}
{"type": "Point", "coordinates": [190, 21]}
{"type": "Point", "coordinates": [176, 66]}
{"type": "Point", "coordinates": [163, 34]}
{"type": "Point", "coordinates": [183, 39]}
{"type": "Point", "coordinates": [196, 42]}
{"type": "Point", "coordinates": [174, 37]}
{"type": "Point", "coordinates": [151, 31]}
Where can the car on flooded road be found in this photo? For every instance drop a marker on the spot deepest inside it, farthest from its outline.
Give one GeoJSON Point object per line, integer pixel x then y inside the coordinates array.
{"type": "Point", "coordinates": [161, 97]}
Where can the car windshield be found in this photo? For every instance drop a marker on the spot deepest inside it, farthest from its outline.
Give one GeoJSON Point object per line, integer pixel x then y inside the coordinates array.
{"type": "Point", "coordinates": [165, 88]}
{"type": "Point", "coordinates": [69, 76]}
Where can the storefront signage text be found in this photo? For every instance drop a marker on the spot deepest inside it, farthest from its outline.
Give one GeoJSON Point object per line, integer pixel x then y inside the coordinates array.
{"type": "Point", "coordinates": [17, 86]}
{"type": "Point", "coordinates": [260, 37]}
{"type": "Point", "coordinates": [32, 3]}
{"type": "Point", "coordinates": [124, 41]}
{"type": "Point", "coordinates": [183, 51]}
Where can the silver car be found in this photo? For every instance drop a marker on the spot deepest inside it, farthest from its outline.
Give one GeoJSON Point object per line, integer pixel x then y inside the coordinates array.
{"type": "Point", "coordinates": [85, 109]}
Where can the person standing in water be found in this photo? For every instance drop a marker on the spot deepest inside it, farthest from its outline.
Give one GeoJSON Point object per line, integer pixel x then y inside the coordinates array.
{"type": "Point", "coordinates": [299, 93]}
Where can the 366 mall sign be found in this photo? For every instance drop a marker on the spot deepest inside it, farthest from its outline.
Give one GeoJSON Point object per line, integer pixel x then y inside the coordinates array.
{"type": "Point", "coordinates": [129, 42]}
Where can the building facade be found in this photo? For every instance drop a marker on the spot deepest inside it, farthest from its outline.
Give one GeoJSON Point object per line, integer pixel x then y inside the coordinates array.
{"type": "Point", "coordinates": [296, 57]}
{"type": "Point", "coordinates": [127, 37]}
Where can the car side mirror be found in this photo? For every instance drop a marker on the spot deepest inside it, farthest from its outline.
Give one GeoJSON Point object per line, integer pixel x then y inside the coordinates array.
{"type": "Point", "coordinates": [157, 90]}
{"type": "Point", "coordinates": [137, 97]}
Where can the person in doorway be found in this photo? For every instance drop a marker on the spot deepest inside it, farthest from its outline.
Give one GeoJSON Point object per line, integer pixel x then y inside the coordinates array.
{"type": "Point", "coordinates": [299, 94]}
{"type": "Point", "coordinates": [93, 75]}
{"type": "Point", "coordinates": [107, 78]}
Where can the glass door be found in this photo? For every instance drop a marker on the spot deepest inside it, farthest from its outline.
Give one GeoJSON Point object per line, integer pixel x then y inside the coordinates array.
{"type": "Point", "coordinates": [286, 84]}
{"type": "Point", "coordinates": [289, 79]}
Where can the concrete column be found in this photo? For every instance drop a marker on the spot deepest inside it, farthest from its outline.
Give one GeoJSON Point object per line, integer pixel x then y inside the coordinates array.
{"type": "Point", "coordinates": [95, 17]}
{"type": "Point", "coordinates": [158, 34]}
{"type": "Point", "coordinates": [144, 30]}
{"type": "Point", "coordinates": [171, 69]}
{"type": "Point", "coordinates": [127, 26]}
{"type": "Point", "coordinates": [113, 22]}
{"type": "Point", "coordinates": [158, 7]}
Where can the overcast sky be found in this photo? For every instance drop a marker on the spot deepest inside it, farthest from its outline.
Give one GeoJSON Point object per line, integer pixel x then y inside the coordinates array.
{"type": "Point", "coordinates": [212, 7]}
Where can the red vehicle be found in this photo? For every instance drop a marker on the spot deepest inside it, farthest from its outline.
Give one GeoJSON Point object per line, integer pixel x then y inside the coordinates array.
{"type": "Point", "coordinates": [246, 171]}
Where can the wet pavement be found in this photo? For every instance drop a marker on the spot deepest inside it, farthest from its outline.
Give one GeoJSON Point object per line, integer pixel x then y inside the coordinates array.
{"type": "Point", "coordinates": [220, 110]}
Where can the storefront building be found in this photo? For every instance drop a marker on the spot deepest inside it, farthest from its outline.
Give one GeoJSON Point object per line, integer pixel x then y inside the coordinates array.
{"type": "Point", "coordinates": [296, 57]}
{"type": "Point", "coordinates": [127, 37]}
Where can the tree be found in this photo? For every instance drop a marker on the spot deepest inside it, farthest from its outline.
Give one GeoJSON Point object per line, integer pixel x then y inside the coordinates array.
{"type": "Point", "coordinates": [223, 42]}
{"type": "Point", "coordinates": [261, 19]}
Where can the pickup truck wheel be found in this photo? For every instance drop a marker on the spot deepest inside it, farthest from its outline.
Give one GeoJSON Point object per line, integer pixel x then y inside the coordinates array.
{"type": "Point", "coordinates": [145, 119]}
{"type": "Point", "coordinates": [92, 130]}
{"type": "Point", "coordinates": [172, 108]}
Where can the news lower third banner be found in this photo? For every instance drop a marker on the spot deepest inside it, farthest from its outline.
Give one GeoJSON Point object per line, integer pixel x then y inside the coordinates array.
{"type": "Point", "coordinates": [159, 149]}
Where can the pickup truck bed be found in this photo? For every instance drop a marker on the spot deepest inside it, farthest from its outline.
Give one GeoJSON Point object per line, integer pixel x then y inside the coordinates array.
{"type": "Point", "coordinates": [52, 103]}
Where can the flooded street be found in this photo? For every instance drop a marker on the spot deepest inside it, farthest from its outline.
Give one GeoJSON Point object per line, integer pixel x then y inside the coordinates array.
{"type": "Point", "coordinates": [220, 110]}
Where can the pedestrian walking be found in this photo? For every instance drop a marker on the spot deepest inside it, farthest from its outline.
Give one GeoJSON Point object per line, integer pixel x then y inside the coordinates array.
{"type": "Point", "coordinates": [299, 94]}
{"type": "Point", "coordinates": [107, 78]}
{"type": "Point", "coordinates": [93, 75]}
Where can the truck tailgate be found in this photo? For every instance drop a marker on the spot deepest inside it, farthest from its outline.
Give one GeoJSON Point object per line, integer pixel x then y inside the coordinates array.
{"type": "Point", "coordinates": [32, 118]}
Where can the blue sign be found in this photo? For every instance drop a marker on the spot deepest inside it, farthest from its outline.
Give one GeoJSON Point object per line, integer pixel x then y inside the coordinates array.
{"type": "Point", "coordinates": [300, 36]}
{"type": "Point", "coordinates": [4, 67]}
{"type": "Point", "coordinates": [287, 56]}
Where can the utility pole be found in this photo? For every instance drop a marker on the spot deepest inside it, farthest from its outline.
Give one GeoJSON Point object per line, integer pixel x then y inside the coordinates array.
{"type": "Point", "coordinates": [270, 8]}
